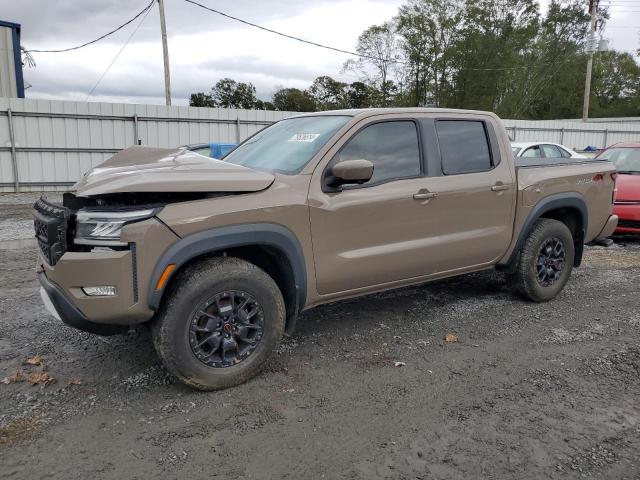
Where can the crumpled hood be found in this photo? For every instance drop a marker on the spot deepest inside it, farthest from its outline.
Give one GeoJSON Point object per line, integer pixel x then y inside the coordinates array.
{"type": "Point", "coordinates": [146, 169]}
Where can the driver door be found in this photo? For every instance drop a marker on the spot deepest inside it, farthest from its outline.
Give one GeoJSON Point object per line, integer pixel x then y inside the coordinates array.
{"type": "Point", "coordinates": [383, 230]}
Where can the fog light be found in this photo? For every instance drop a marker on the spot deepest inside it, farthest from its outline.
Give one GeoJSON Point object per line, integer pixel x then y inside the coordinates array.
{"type": "Point", "coordinates": [104, 291]}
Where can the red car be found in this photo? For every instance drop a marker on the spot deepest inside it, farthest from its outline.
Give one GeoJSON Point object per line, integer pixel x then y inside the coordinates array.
{"type": "Point", "coordinates": [626, 158]}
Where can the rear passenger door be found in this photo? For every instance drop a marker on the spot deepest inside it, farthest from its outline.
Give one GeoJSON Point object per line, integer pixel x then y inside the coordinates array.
{"type": "Point", "coordinates": [476, 193]}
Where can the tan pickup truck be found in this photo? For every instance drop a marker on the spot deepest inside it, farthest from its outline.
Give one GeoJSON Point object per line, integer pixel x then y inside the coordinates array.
{"type": "Point", "coordinates": [221, 256]}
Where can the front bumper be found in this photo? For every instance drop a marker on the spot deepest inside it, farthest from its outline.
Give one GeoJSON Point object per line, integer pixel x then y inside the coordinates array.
{"type": "Point", "coordinates": [629, 218]}
{"type": "Point", "coordinates": [127, 270]}
{"type": "Point", "coordinates": [63, 309]}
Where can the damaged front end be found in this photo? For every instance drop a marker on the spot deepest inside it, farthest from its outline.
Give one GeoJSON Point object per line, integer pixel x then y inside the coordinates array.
{"type": "Point", "coordinates": [98, 249]}
{"type": "Point", "coordinates": [91, 273]}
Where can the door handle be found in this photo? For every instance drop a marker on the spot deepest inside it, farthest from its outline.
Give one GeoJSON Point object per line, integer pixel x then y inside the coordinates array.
{"type": "Point", "coordinates": [424, 195]}
{"type": "Point", "coordinates": [499, 188]}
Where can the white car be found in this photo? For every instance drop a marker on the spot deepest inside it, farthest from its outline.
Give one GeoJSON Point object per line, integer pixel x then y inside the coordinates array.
{"type": "Point", "coordinates": [543, 150]}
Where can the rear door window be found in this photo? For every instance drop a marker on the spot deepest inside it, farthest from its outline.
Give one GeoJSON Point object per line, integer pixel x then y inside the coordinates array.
{"type": "Point", "coordinates": [464, 146]}
{"type": "Point", "coordinates": [533, 152]}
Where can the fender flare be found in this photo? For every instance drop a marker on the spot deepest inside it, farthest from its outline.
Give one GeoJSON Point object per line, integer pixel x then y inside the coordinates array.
{"type": "Point", "coordinates": [207, 241]}
{"type": "Point", "coordinates": [572, 200]}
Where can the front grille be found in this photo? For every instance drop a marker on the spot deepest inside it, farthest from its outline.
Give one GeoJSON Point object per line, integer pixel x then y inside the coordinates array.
{"type": "Point", "coordinates": [51, 222]}
{"type": "Point", "coordinates": [629, 224]}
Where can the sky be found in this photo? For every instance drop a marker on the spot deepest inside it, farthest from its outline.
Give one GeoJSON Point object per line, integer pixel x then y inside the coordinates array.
{"type": "Point", "coordinates": [204, 47]}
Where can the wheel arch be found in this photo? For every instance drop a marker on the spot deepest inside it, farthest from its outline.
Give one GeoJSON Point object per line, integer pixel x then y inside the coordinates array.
{"type": "Point", "coordinates": [569, 208]}
{"type": "Point", "coordinates": [271, 247]}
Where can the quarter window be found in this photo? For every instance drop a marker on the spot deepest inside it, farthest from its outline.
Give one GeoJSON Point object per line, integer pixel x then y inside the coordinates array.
{"type": "Point", "coordinates": [551, 151]}
{"type": "Point", "coordinates": [464, 146]}
{"type": "Point", "coordinates": [392, 147]}
{"type": "Point", "coordinates": [564, 153]}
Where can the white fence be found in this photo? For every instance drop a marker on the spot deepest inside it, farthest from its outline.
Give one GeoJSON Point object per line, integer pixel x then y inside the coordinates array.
{"type": "Point", "coordinates": [48, 145]}
{"type": "Point", "coordinates": [574, 134]}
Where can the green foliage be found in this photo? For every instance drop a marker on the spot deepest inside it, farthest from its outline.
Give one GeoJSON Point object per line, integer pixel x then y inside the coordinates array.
{"type": "Point", "coordinates": [294, 100]}
{"type": "Point", "coordinates": [497, 55]}
{"type": "Point", "coordinates": [328, 94]}
{"type": "Point", "coordinates": [228, 93]}
{"type": "Point", "coordinates": [201, 99]}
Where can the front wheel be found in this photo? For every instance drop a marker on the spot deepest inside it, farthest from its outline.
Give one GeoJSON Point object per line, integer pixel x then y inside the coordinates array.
{"type": "Point", "coordinates": [222, 319]}
{"type": "Point", "coordinates": [546, 261]}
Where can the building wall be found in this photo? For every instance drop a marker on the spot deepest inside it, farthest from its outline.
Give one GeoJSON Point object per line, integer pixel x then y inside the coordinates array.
{"type": "Point", "coordinates": [8, 86]}
{"type": "Point", "coordinates": [56, 142]}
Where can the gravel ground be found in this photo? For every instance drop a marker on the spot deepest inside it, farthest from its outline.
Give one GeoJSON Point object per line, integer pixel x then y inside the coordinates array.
{"type": "Point", "coordinates": [528, 390]}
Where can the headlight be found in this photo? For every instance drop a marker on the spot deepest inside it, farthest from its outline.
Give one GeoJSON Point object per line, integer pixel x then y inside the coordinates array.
{"type": "Point", "coordinates": [104, 228]}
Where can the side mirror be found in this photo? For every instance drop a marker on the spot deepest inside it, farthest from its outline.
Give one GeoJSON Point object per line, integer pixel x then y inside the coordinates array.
{"type": "Point", "coordinates": [350, 171]}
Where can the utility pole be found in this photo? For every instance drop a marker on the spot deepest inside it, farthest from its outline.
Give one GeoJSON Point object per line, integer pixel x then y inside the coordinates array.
{"type": "Point", "coordinates": [590, 51]}
{"type": "Point", "coordinates": [165, 53]}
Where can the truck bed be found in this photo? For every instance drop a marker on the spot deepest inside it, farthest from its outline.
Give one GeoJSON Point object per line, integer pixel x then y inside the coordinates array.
{"type": "Point", "coordinates": [551, 162]}
{"type": "Point", "coordinates": [590, 179]}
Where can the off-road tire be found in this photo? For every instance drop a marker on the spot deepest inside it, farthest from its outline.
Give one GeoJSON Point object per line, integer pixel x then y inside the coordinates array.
{"type": "Point", "coordinates": [195, 285]}
{"type": "Point", "coordinates": [525, 280]}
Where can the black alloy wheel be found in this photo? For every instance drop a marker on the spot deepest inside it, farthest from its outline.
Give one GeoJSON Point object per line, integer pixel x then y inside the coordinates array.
{"type": "Point", "coordinates": [226, 328]}
{"type": "Point", "coordinates": [550, 262]}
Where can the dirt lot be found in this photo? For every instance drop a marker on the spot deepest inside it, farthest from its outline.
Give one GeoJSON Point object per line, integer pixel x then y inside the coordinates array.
{"type": "Point", "coordinates": [528, 390]}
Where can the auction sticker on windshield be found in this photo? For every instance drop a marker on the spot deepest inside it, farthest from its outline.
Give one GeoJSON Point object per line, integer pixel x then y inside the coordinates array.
{"type": "Point", "coordinates": [304, 137]}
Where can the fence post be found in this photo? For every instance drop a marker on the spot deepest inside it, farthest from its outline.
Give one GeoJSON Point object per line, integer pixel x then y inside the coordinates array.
{"type": "Point", "coordinates": [562, 136]}
{"type": "Point", "coordinates": [605, 137]}
{"type": "Point", "coordinates": [136, 133]}
{"type": "Point", "coordinates": [237, 129]}
{"type": "Point", "coordinates": [514, 133]}
{"type": "Point", "coordinates": [14, 158]}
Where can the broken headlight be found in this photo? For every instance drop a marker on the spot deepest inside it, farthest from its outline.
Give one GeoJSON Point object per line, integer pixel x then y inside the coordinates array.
{"type": "Point", "coordinates": [104, 228]}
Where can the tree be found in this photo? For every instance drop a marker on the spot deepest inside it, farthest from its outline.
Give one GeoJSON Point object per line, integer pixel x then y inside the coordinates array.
{"type": "Point", "coordinates": [552, 86]}
{"type": "Point", "coordinates": [494, 45]}
{"type": "Point", "coordinates": [328, 94]}
{"type": "Point", "coordinates": [228, 93]}
{"type": "Point", "coordinates": [429, 31]}
{"type": "Point", "coordinates": [201, 99]}
{"type": "Point", "coordinates": [378, 46]}
{"type": "Point", "coordinates": [359, 95]}
{"type": "Point", "coordinates": [615, 87]}
{"type": "Point", "coordinates": [264, 105]}
{"type": "Point", "coordinates": [293, 100]}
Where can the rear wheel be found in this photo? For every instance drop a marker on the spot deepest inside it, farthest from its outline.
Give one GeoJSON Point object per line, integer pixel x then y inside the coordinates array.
{"type": "Point", "coordinates": [221, 321]}
{"type": "Point", "coordinates": [546, 261]}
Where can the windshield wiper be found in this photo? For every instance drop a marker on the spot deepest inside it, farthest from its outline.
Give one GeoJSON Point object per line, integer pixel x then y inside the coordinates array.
{"type": "Point", "coordinates": [628, 172]}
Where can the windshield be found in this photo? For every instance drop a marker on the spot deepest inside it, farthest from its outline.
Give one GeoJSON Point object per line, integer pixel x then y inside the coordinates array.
{"type": "Point", "coordinates": [626, 160]}
{"type": "Point", "coordinates": [288, 145]}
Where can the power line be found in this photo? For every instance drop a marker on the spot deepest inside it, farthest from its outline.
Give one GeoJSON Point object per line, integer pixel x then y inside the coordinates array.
{"type": "Point", "coordinates": [118, 54]}
{"type": "Point", "coordinates": [292, 37]}
{"type": "Point", "coordinates": [141, 12]}
{"type": "Point", "coordinates": [246, 22]}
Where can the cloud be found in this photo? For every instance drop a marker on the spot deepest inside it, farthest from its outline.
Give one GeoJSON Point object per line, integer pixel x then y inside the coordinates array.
{"type": "Point", "coordinates": [204, 47]}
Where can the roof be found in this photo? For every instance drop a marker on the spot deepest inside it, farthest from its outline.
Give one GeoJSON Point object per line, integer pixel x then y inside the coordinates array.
{"type": "Point", "coordinates": [366, 112]}
{"type": "Point", "coordinates": [625, 145]}
{"type": "Point", "coordinates": [4, 23]}
{"type": "Point", "coordinates": [529, 144]}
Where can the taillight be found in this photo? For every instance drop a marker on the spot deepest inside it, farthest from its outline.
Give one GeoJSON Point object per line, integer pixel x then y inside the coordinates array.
{"type": "Point", "coordinates": [614, 175]}
{"type": "Point", "coordinates": [614, 194]}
